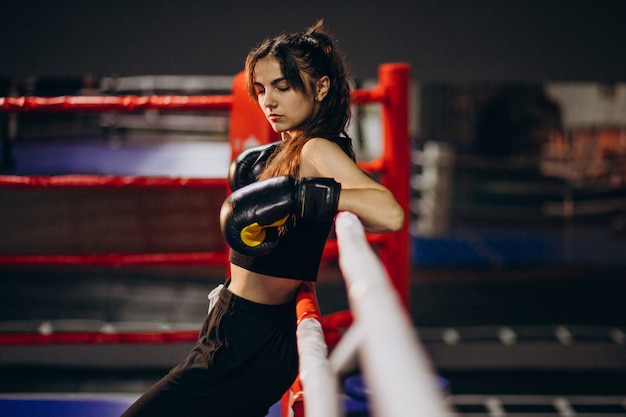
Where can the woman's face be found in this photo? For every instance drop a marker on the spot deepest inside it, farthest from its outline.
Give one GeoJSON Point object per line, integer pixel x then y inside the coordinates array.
{"type": "Point", "coordinates": [284, 107]}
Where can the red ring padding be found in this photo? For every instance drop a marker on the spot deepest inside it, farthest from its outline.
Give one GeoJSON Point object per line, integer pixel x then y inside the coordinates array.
{"type": "Point", "coordinates": [107, 181]}
{"type": "Point", "coordinates": [83, 337]}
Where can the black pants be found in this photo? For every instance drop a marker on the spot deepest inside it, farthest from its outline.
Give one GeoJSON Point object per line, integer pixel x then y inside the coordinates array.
{"type": "Point", "coordinates": [245, 359]}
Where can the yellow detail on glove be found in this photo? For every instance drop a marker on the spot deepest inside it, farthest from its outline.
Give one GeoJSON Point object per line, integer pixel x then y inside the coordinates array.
{"type": "Point", "coordinates": [254, 234]}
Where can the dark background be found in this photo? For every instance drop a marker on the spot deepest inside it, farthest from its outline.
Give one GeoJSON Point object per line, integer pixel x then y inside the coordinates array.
{"type": "Point", "coordinates": [447, 40]}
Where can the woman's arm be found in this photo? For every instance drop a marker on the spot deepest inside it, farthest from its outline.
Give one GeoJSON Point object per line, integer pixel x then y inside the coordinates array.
{"type": "Point", "coordinates": [373, 203]}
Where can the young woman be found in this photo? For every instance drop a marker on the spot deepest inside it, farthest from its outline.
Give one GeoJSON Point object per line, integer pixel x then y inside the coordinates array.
{"type": "Point", "coordinates": [276, 221]}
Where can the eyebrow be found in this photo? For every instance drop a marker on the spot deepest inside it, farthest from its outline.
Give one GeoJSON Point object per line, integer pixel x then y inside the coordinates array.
{"type": "Point", "coordinates": [276, 81]}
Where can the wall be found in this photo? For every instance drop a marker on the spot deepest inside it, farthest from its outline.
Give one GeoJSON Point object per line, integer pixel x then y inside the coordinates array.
{"type": "Point", "coordinates": [444, 40]}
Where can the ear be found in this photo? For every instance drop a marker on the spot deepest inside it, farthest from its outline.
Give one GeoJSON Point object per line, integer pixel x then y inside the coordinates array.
{"type": "Point", "coordinates": [322, 86]}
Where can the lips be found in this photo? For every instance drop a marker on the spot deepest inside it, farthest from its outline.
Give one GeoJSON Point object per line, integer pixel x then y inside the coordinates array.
{"type": "Point", "coordinates": [274, 117]}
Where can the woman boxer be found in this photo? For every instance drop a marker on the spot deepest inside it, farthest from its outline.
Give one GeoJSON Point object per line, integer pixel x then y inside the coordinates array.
{"type": "Point", "coordinates": [276, 221]}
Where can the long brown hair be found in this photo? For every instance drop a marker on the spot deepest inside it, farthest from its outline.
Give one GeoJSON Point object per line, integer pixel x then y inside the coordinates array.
{"type": "Point", "coordinates": [305, 57]}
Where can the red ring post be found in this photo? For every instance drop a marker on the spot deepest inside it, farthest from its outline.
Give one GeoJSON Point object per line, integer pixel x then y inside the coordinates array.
{"type": "Point", "coordinates": [394, 252]}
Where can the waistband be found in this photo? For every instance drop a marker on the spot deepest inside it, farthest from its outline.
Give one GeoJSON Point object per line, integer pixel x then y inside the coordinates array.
{"type": "Point", "coordinates": [228, 300]}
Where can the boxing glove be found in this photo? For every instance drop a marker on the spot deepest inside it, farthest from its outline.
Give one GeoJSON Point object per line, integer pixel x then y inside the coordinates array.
{"type": "Point", "coordinates": [247, 166]}
{"type": "Point", "coordinates": [251, 216]}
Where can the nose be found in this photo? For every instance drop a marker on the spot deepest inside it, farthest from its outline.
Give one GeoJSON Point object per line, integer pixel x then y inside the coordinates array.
{"type": "Point", "coordinates": [268, 100]}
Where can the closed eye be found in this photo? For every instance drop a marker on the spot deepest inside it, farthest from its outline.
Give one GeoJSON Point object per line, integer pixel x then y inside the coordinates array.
{"type": "Point", "coordinates": [281, 84]}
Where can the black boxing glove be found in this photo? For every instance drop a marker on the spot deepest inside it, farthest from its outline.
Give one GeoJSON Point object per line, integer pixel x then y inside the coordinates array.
{"type": "Point", "coordinates": [247, 166]}
{"type": "Point", "coordinates": [250, 216]}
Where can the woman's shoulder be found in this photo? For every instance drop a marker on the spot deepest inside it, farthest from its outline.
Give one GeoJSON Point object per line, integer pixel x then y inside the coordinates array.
{"type": "Point", "coordinates": [324, 145]}
{"type": "Point", "coordinates": [321, 157]}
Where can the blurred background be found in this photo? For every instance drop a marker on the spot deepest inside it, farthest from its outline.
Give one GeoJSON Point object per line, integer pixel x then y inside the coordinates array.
{"type": "Point", "coordinates": [518, 185]}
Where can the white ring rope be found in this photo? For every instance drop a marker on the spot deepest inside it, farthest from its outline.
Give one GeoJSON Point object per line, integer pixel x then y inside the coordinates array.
{"type": "Point", "coordinates": [396, 368]}
{"type": "Point", "coordinates": [319, 383]}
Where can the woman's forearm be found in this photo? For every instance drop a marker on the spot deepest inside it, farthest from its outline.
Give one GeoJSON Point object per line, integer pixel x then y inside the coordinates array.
{"type": "Point", "coordinates": [376, 208]}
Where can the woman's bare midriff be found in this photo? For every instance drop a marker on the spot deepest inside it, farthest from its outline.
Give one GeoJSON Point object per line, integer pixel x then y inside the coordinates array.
{"type": "Point", "coordinates": [263, 289]}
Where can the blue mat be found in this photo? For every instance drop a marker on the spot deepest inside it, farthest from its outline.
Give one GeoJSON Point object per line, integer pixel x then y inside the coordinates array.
{"type": "Point", "coordinates": [96, 156]}
{"type": "Point", "coordinates": [66, 405]}
{"type": "Point", "coordinates": [492, 246]}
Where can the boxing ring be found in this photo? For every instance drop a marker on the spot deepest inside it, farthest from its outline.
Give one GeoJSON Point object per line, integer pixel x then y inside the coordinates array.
{"type": "Point", "coordinates": [377, 280]}
{"type": "Point", "coordinates": [247, 127]}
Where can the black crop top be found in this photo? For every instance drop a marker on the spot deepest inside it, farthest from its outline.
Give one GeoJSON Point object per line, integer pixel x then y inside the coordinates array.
{"type": "Point", "coordinates": [297, 255]}
{"type": "Point", "coordinates": [299, 251]}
